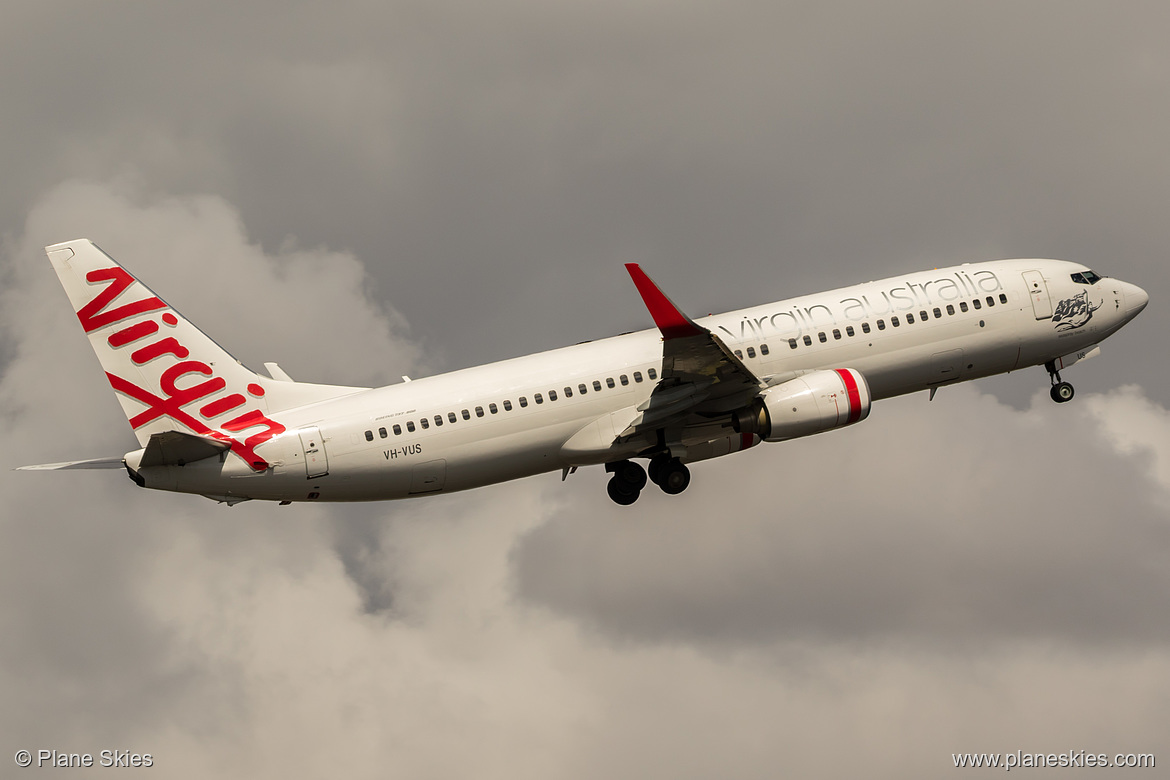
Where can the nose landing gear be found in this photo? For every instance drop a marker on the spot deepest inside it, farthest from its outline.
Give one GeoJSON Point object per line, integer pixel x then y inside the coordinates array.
{"type": "Point", "coordinates": [1061, 392]}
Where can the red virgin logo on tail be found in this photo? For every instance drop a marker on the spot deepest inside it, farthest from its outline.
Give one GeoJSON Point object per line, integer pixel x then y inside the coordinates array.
{"type": "Point", "coordinates": [95, 315]}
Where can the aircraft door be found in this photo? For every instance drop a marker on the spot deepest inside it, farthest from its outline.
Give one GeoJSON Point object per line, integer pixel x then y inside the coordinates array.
{"type": "Point", "coordinates": [428, 477]}
{"type": "Point", "coordinates": [316, 461]}
{"type": "Point", "coordinates": [1038, 292]}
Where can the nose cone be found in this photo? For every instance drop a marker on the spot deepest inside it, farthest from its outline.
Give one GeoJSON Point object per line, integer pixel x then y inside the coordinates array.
{"type": "Point", "coordinates": [1135, 298]}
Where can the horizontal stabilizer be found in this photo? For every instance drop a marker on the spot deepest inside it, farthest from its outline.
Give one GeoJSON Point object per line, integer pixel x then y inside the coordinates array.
{"type": "Point", "coordinates": [175, 448]}
{"type": "Point", "coordinates": [278, 373]}
{"type": "Point", "coordinates": [95, 463]}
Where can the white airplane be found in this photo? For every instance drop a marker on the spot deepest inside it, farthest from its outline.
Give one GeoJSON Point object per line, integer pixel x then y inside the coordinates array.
{"type": "Point", "coordinates": [688, 391]}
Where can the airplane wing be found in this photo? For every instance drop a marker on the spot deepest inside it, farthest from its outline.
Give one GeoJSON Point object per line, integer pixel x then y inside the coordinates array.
{"type": "Point", "coordinates": [701, 378]}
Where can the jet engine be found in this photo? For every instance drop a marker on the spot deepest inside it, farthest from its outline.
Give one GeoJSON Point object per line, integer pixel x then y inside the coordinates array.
{"type": "Point", "coordinates": [815, 402]}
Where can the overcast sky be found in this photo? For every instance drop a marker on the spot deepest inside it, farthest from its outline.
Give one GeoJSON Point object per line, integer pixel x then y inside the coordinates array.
{"type": "Point", "coordinates": [364, 190]}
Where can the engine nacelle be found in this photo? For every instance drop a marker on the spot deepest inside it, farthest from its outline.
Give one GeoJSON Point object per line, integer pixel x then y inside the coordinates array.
{"type": "Point", "coordinates": [812, 403]}
{"type": "Point", "coordinates": [717, 448]}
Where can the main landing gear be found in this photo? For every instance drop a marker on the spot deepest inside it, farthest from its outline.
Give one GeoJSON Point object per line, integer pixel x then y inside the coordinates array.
{"type": "Point", "coordinates": [1061, 392]}
{"type": "Point", "coordinates": [629, 478]}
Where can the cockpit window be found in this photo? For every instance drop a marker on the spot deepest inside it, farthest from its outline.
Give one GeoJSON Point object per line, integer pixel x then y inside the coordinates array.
{"type": "Point", "coordinates": [1086, 277]}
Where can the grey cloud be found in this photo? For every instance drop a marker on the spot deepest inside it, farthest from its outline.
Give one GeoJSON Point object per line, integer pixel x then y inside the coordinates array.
{"type": "Point", "coordinates": [962, 522]}
{"type": "Point", "coordinates": [456, 184]}
{"type": "Point", "coordinates": [292, 308]}
{"type": "Point", "coordinates": [519, 153]}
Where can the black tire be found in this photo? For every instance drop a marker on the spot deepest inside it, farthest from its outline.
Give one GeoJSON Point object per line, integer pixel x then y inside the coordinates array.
{"type": "Point", "coordinates": [620, 493]}
{"type": "Point", "coordinates": [675, 478]}
{"type": "Point", "coordinates": [657, 464]}
{"type": "Point", "coordinates": [632, 475]}
{"type": "Point", "coordinates": [1062, 392]}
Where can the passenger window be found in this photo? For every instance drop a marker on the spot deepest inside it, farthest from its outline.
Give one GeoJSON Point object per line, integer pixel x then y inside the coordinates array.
{"type": "Point", "coordinates": [977, 303]}
{"type": "Point", "coordinates": [963, 306]}
{"type": "Point", "coordinates": [451, 416]}
{"type": "Point", "coordinates": [739, 354]}
{"type": "Point", "coordinates": [792, 343]}
{"type": "Point", "coordinates": [609, 382]}
{"type": "Point", "coordinates": [990, 301]}
{"type": "Point", "coordinates": [808, 341]}
{"type": "Point", "coordinates": [507, 406]}
{"type": "Point", "coordinates": [423, 422]}
{"type": "Point", "coordinates": [397, 429]}
{"type": "Point", "coordinates": [582, 389]}
{"type": "Point", "coordinates": [836, 333]}
{"type": "Point", "coordinates": [909, 319]}
{"type": "Point", "coordinates": [823, 338]}
{"type": "Point", "coordinates": [523, 402]}
{"type": "Point", "coordinates": [894, 321]}
{"type": "Point", "coordinates": [382, 433]}
{"type": "Point", "coordinates": [597, 385]}
{"type": "Point", "coordinates": [937, 312]}
{"type": "Point", "coordinates": [865, 327]}
{"type": "Point", "coordinates": [438, 420]}
{"type": "Point", "coordinates": [479, 411]}
{"type": "Point", "coordinates": [922, 316]}
{"type": "Point", "coordinates": [535, 397]}
{"type": "Point", "coordinates": [569, 392]}
{"type": "Point", "coordinates": [652, 373]}
{"type": "Point", "coordinates": [492, 407]}
{"type": "Point", "coordinates": [751, 352]}
{"type": "Point", "coordinates": [625, 380]}
{"type": "Point", "coordinates": [369, 435]}
{"type": "Point", "coordinates": [881, 324]}
{"type": "Point", "coordinates": [849, 330]}
{"type": "Point", "coordinates": [1002, 298]}
{"type": "Point", "coordinates": [552, 395]}
{"type": "Point", "coordinates": [763, 351]}
{"type": "Point", "coordinates": [950, 309]}
{"type": "Point", "coordinates": [410, 426]}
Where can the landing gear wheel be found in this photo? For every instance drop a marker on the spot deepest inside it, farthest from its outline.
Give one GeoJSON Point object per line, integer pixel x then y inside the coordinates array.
{"type": "Point", "coordinates": [627, 481]}
{"type": "Point", "coordinates": [657, 468]}
{"type": "Point", "coordinates": [1061, 392]}
{"type": "Point", "coordinates": [631, 475]}
{"type": "Point", "coordinates": [675, 477]}
{"type": "Point", "coordinates": [620, 493]}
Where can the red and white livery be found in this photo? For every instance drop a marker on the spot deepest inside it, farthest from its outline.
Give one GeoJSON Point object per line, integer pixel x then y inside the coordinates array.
{"type": "Point", "coordinates": [684, 392]}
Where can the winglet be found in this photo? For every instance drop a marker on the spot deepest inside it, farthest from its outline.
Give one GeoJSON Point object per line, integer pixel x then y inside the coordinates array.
{"type": "Point", "coordinates": [672, 322]}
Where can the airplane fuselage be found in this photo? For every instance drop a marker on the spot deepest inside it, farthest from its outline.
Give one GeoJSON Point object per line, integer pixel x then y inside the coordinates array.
{"type": "Point", "coordinates": [538, 413]}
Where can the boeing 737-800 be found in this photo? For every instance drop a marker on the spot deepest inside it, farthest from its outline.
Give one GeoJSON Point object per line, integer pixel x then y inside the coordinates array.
{"type": "Point", "coordinates": [687, 391]}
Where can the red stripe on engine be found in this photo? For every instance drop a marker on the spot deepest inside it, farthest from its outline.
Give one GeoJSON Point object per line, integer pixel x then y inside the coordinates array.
{"type": "Point", "coordinates": [746, 440]}
{"type": "Point", "coordinates": [854, 394]}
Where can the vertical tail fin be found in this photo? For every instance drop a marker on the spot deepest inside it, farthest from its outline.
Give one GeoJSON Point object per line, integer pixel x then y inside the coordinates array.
{"type": "Point", "coordinates": [168, 374]}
